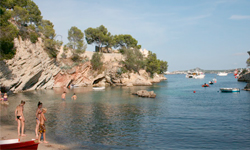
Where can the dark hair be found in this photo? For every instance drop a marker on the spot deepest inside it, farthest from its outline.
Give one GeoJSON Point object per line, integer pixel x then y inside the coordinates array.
{"type": "Point", "coordinates": [39, 103]}
{"type": "Point", "coordinates": [22, 102]}
{"type": "Point", "coordinates": [74, 93]}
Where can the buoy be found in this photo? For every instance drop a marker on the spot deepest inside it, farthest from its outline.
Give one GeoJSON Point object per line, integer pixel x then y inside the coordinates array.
{"type": "Point", "coordinates": [194, 91]}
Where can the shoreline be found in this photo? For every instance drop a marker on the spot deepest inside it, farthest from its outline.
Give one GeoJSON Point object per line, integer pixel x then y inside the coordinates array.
{"type": "Point", "coordinates": [10, 132]}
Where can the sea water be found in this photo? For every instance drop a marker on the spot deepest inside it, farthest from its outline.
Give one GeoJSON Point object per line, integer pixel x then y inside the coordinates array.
{"type": "Point", "coordinates": [113, 118]}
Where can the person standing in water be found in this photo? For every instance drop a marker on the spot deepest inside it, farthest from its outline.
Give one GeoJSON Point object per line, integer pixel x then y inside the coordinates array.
{"type": "Point", "coordinates": [63, 95]}
{"type": "Point", "coordinates": [38, 114]}
{"type": "Point", "coordinates": [74, 97]}
{"type": "Point", "coordinates": [42, 128]}
{"type": "Point", "coordinates": [20, 118]}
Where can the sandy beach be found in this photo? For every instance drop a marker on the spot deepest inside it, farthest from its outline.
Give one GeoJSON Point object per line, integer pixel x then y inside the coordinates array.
{"type": "Point", "coordinates": [10, 132]}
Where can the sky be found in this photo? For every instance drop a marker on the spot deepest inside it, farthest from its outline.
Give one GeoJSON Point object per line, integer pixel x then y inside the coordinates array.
{"type": "Point", "coordinates": [209, 34]}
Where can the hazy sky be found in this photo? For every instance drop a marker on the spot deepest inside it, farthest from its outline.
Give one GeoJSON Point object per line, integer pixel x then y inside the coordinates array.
{"type": "Point", "coordinates": [210, 34]}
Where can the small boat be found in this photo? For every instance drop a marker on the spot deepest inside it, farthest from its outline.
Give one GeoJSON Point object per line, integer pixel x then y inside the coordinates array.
{"type": "Point", "coordinates": [205, 85]}
{"type": "Point", "coordinates": [16, 144]}
{"type": "Point", "coordinates": [215, 80]}
{"type": "Point", "coordinates": [195, 74]}
{"type": "Point", "coordinates": [99, 88]}
{"type": "Point", "coordinates": [211, 82]}
{"type": "Point", "coordinates": [229, 89]}
{"type": "Point", "coordinates": [222, 74]}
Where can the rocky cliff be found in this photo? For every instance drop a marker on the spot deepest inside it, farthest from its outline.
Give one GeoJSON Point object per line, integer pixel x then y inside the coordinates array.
{"type": "Point", "coordinates": [32, 69]}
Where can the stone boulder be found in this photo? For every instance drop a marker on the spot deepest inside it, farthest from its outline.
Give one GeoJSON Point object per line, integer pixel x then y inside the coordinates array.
{"type": "Point", "coordinates": [144, 93]}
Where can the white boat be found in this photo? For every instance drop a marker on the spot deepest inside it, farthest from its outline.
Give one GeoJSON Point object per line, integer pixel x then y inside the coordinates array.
{"type": "Point", "coordinates": [99, 88]}
{"type": "Point", "coordinates": [222, 74]}
{"type": "Point", "coordinates": [195, 74]}
{"type": "Point", "coordinates": [229, 89]}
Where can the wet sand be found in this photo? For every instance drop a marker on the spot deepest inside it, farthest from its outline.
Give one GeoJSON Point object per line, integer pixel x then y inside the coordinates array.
{"type": "Point", "coordinates": [10, 132]}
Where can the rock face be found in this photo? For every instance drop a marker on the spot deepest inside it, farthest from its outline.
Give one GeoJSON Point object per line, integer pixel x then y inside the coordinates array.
{"type": "Point", "coordinates": [30, 69]}
{"type": "Point", "coordinates": [245, 78]}
{"type": "Point", "coordinates": [144, 93]}
{"type": "Point", "coordinates": [78, 76]}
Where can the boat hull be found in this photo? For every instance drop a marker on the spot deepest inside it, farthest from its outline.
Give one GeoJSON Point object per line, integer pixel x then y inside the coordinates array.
{"type": "Point", "coordinates": [222, 74]}
{"type": "Point", "coordinates": [98, 88]}
{"type": "Point", "coordinates": [230, 90]}
{"type": "Point", "coordinates": [31, 145]}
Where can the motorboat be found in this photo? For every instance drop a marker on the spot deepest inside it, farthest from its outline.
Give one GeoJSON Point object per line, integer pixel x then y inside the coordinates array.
{"type": "Point", "coordinates": [229, 89]}
{"type": "Point", "coordinates": [195, 74]}
{"type": "Point", "coordinates": [222, 74]}
{"type": "Point", "coordinates": [99, 88]}
{"type": "Point", "coordinates": [16, 144]}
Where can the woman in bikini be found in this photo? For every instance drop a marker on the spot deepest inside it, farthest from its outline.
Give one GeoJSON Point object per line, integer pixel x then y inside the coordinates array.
{"type": "Point", "coordinates": [38, 114]}
{"type": "Point", "coordinates": [20, 118]}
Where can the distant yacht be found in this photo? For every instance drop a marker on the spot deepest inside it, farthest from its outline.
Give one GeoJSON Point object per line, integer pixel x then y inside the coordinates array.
{"type": "Point", "coordinates": [195, 74]}
{"type": "Point", "coordinates": [167, 72]}
{"type": "Point", "coordinates": [222, 74]}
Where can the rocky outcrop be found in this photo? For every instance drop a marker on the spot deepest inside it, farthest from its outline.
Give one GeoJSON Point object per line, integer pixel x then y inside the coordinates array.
{"type": "Point", "coordinates": [77, 76]}
{"type": "Point", "coordinates": [144, 93]}
{"type": "Point", "coordinates": [245, 78]}
{"type": "Point", "coordinates": [30, 69]}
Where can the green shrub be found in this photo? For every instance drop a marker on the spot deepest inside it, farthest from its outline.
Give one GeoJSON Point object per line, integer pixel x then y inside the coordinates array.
{"type": "Point", "coordinates": [75, 57]}
{"type": "Point", "coordinates": [133, 60]}
{"type": "Point", "coordinates": [96, 61]}
{"type": "Point", "coordinates": [33, 37]}
{"type": "Point", "coordinates": [63, 56]}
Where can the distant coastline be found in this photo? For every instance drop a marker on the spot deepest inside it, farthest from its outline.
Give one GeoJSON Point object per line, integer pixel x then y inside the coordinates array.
{"type": "Point", "coordinates": [205, 71]}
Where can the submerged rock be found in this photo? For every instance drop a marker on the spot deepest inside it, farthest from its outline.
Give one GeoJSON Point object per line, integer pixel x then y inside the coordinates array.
{"type": "Point", "coordinates": [144, 93]}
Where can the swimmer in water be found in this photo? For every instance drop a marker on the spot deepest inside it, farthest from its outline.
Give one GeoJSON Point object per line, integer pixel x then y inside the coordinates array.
{"type": "Point", "coordinates": [74, 97]}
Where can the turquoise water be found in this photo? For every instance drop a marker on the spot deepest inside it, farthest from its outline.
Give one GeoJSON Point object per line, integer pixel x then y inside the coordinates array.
{"type": "Point", "coordinates": [114, 119]}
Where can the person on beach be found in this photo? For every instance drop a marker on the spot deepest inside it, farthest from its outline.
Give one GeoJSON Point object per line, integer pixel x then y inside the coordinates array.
{"type": "Point", "coordinates": [42, 129]}
{"type": "Point", "coordinates": [5, 97]}
{"type": "Point", "coordinates": [20, 118]}
{"type": "Point", "coordinates": [74, 97]}
{"type": "Point", "coordinates": [63, 95]}
{"type": "Point", "coordinates": [38, 114]}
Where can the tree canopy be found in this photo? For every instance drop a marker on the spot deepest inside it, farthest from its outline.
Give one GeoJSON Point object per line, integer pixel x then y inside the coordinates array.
{"type": "Point", "coordinates": [23, 18]}
{"type": "Point", "coordinates": [98, 36]}
{"type": "Point", "coordinates": [154, 65]}
{"type": "Point", "coordinates": [133, 60]}
{"type": "Point", "coordinates": [125, 41]}
{"type": "Point", "coordinates": [75, 37]}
